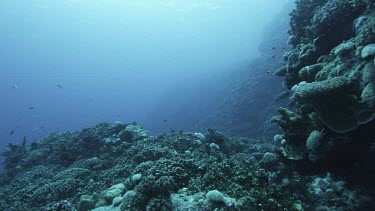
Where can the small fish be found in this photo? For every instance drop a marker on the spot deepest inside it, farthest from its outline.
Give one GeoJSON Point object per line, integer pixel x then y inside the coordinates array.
{"type": "Point", "coordinates": [268, 72]}
{"type": "Point", "coordinates": [31, 108]}
{"type": "Point", "coordinates": [165, 120]}
{"type": "Point", "coordinates": [60, 86]}
{"type": "Point", "coordinates": [282, 96]}
{"type": "Point", "coordinates": [273, 48]}
{"type": "Point", "coordinates": [15, 86]}
{"type": "Point", "coordinates": [24, 140]}
{"type": "Point", "coordinates": [11, 133]}
{"type": "Point", "coordinates": [273, 56]}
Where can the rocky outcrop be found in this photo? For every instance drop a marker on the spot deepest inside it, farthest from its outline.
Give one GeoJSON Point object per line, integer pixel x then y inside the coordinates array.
{"type": "Point", "coordinates": [331, 73]}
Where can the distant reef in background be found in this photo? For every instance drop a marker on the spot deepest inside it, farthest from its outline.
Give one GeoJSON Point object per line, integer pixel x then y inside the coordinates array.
{"type": "Point", "coordinates": [254, 94]}
{"type": "Point", "coordinates": [252, 91]}
{"type": "Point", "coordinates": [240, 101]}
{"type": "Point", "coordinates": [119, 167]}
{"type": "Point", "coordinates": [329, 125]}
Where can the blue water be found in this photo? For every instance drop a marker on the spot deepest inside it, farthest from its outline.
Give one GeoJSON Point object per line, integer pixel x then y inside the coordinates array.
{"type": "Point", "coordinates": [69, 64]}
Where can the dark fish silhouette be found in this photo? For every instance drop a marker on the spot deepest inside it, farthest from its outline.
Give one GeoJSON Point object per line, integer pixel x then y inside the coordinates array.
{"type": "Point", "coordinates": [282, 96]}
{"type": "Point", "coordinates": [11, 133]}
{"type": "Point", "coordinates": [268, 72]}
{"type": "Point", "coordinates": [273, 48]}
{"type": "Point", "coordinates": [31, 108]}
{"type": "Point", "coordinates": [60, 86]}
{"type": "Point", "coordinates": [273, 56]}
{"type": "Point", "coordinates": [165, 120]}
{"type": "Point", "coordinates": [24, 140]}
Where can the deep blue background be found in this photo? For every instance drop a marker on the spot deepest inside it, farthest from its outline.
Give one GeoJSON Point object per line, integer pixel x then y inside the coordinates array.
{"type": "Point", "coordinates": [121, 60]}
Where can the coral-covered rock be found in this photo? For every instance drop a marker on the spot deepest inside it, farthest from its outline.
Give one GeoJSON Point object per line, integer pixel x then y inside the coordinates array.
{"type": "Point", "coordinates": [147, 173]}
{"type": "Point", "coordinates": [331, 74]}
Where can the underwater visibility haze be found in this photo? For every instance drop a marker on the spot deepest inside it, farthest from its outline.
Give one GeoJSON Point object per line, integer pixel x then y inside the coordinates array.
{"type": "Point", "coordinates": [78, 63]}
{"type": "Point", "coordinates": [187, 105]}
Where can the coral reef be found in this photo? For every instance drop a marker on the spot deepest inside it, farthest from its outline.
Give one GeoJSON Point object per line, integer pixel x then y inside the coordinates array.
{"type": "Point", "coordinates": [97, 169]}
{"type": "Point", "coordinates": [327, 127]}
{"type": "Point", "coordinates": [330, 72]}
{"type": "Point", "coordinates": [327, 191]}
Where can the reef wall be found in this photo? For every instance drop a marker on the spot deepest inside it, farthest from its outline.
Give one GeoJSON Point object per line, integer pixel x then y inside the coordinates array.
{"type": "Point", "coordinates": [329, 124]}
